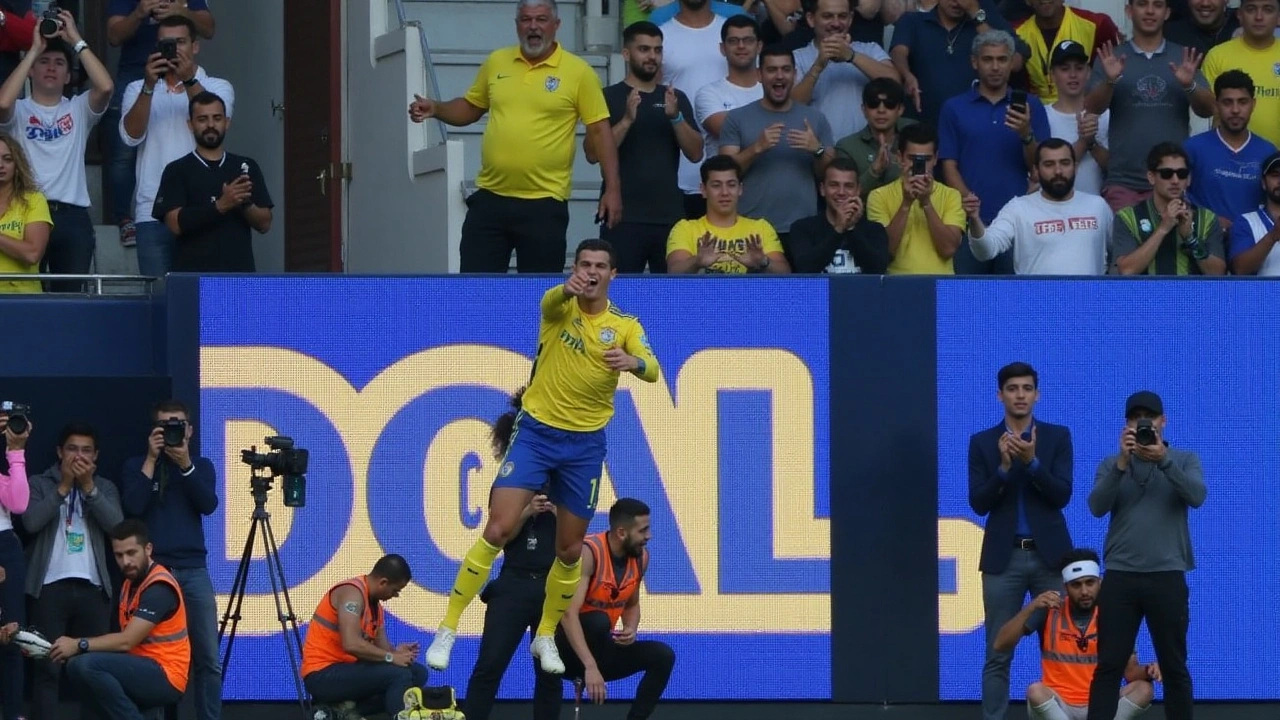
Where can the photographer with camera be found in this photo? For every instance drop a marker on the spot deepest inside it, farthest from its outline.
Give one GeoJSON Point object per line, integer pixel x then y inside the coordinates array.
{"type": "Point", "coordinates": [172, 492]}
{"type": "Point", "coordinates": [71, 510]}
{"type": "Point", "coordinates": [15, 494]}
{"type": "Point", "coordinates": [1147, 488]}
{"type": "Point", "coordinates": [155, 121]}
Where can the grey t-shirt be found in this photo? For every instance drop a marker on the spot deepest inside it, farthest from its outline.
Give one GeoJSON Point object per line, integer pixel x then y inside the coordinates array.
{"type": "Point", "coordinates": [1148, 106]}
{"type": "Point", "coordinates": [780, 185]}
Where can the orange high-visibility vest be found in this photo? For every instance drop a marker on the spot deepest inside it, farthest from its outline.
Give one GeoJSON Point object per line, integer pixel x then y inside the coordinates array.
{"type": "Point", "coordinates": [606, 593]}
{"type": "Point", "coordinates": [167, 643]}
{"type": "Point", "coordinates": [323, 646]}
{"type": "Point", "coordinates": [1067, 657]}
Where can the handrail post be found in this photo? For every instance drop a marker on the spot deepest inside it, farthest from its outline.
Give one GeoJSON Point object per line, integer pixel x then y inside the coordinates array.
{"type": "Point", "coordinates": [403, 18]}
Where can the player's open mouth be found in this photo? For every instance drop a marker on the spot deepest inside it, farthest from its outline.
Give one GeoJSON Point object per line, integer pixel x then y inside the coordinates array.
{"type": "Point", "coordinates": [593, 282]}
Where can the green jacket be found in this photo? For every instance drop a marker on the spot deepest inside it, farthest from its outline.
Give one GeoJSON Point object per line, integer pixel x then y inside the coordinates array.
{"type": "Point", "coordinates": [862, 147]}
{"type": "Point", "coordinates": [1136, 224]}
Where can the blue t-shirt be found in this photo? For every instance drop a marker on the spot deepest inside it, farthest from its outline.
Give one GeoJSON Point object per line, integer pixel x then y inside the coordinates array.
{"type": "Point", "coordinates": [135, 51]}
{"type": "Point", "coordinates": [990, 155]}
{"type": "Point", "coordinates": [1224, 181]}
{"type": "Point", "coordinates": [1244, 235]}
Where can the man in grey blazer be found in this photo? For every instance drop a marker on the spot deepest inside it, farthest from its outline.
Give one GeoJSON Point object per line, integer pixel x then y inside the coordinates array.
{"type": "Point", "coordinates": [70, 511]}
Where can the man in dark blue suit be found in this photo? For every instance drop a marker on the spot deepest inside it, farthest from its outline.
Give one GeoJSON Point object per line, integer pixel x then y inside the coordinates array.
{"type": "Point", "coordinates": [1020, 478]}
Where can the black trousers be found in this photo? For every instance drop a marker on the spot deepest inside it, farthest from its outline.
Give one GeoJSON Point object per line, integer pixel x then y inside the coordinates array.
{"type": "Point", "coordinates": [695, 206]}
{"type": "Point", "coordinates": [13, 608]}
{"type": "Point", "coordinates": [654, 659]}
{"type": "Point", "coordinates": [1125, 599]}
{"type": "Point", "coordinates": [496, 225]}
{"type": "Point", "coordinates": [638, 245]}
{"type": "Point", "coordinates": [75, 608]}
{"type": "Point", "coordinates": [514, 602]}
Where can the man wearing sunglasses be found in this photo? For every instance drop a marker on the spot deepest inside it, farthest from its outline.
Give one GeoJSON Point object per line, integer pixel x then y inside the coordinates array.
{"type": "Point", "coordinates": [1165, 234]}
{"type": "Point", "coordinates": [873, 147]}
{"type": "Point", "coordinates": [1068, 627]}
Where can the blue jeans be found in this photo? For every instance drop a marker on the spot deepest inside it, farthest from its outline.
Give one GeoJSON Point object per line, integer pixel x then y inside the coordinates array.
{"type": "Point", "coordinates": [71, 244]}
{"type": "Point", "coordinates": [155, 249]}
{"type": "Point", "coordinates": [12, 609]}
{"type": "Point", "coordinates": [122, 686]}
{"type": "Point", "coordinates": [1002, 597]}
{"type": "Point", "coordinates": [122, 160]}
{"type": "Point", "coordinates": [202, 628]}
{"type": "Point", "coordinates": [372, 686]}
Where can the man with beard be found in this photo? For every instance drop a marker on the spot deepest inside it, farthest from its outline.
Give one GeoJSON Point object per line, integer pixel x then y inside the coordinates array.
{"type": "Point", "coordinates": [1164, 234]}
{"type": "Point", "coordinates": [144, 666]}
{"type": "Point", "coordinates": [1256, 52]}
{"type": "Point", "coordinates": [740, 45]}
{"type": "Point", "coordinates": [780, 145]}
{"type": "Point", "coordinates": [1053, 23]}
{"type": "Point", "coordinates": [842, 239]}
{"type": "Point", "coordinates": [1226, 162]}
{"type": "Point", "coordinates": [653, 126]}
{"type": "Point", "coordinates": [1059, 231]}
{"type": "Point", "coordinates": [1069, 647]}
{"type": "Point", "coordinates": [1254, 234]}
{"type": "Point", "coordinates": [594, 648]}
{"type": "Point", "coordinates": [210, 199]}
{"type": "Point", "coordinates": [834, 69]}
{"type": "Point", "coordinates": [1207, 25]}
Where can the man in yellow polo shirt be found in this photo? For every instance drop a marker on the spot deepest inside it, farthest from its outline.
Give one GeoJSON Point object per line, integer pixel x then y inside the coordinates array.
{"type": "Point", "coordinates": [923, 218]}
{"type": "Point", "coordinates": [535, 94]}
{"type": "Point", "coordinates": [1257, 53]}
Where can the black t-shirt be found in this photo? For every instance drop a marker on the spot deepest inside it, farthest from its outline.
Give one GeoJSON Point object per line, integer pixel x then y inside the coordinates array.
{"type": "Point", "coordinates": [649, 157]}
{"type": "Point", "coordinates": [533, 549]}
{"type": "Point", "coordinates": [226, 243]}
{"type": "Point", "coordinates": [158, 603]}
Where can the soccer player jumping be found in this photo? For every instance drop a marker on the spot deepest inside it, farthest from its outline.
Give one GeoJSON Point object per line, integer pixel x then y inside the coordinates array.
{"type": "Point", "coordinates": [584, 342]}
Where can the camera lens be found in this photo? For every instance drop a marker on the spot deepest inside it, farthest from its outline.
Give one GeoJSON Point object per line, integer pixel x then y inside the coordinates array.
{"type": "Point", "coordinates": [18, 424]}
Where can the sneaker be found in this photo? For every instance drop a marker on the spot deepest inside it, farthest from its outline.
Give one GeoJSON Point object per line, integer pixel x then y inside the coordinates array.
{"type": "Point", "coordinates": [441, 648]}
{"type": "Point", "coordinates": [544, 648]}
{"type": "Point", "coordinates": [128, 233]}
{"type": "Point", "coordinates": [341, 711]}
{"type": "Point", "coordinates": [412, 705]}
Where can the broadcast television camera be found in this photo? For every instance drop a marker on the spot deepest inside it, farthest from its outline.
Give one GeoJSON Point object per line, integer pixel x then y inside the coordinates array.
{"type": "Point", "coordinates": [285, 461]}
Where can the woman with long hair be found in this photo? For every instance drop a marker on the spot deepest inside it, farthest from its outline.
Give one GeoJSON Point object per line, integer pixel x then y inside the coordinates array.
{"type": "Point", "coordinates": [24, 218]}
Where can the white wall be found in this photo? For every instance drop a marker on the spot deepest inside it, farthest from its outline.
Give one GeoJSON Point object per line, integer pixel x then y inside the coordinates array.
{"type": "Point", "coordinates": [248, 50]}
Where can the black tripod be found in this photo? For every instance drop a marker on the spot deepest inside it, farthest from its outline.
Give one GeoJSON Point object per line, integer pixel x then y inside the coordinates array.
{"type": "Point", "coordinates": [279, 589]}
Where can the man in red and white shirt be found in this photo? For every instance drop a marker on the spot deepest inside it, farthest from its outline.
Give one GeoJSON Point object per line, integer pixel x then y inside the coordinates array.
{"type": "Point", "coordinates": [1057, 231]}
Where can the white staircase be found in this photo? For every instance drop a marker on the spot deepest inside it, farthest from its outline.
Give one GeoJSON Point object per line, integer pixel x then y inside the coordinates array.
{"type": "Point", "coordinates": [461, 33]}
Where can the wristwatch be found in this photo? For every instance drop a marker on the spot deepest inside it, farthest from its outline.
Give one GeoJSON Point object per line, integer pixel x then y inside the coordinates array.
{"type": "Point", "coordinates": [821, 149]}
{"type": "Point", "coordinates": [83, 645]}
{"type": "Point", "coordinates": [387, 658]}
{"type": "Point", "coordinates": [191, 82]}
{"type": "Point", "coordinates": [980, 17]}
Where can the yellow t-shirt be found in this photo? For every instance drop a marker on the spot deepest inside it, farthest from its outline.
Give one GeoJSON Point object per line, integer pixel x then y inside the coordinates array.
{"type": "Point", "coordinates": [916, 254]}
{"type": "Point", "coordinates": [686, 233]}
{"type": "Point", "coordinates": [1261, 65]}
{"type": "Point", "coordinates": [14, 223]}
{"type": "Point", "coordinates": [572, 388]}
{"type": "Point", "coordinates": [529, 143]}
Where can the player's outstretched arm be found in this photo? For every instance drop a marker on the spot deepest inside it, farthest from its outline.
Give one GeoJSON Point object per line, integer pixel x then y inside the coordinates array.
{"type": "Point", "coordinates": [637, 344]}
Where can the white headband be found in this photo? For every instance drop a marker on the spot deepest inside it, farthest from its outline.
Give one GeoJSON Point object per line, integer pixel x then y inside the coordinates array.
{"type": "Point", "coordinates": [1082, 569]}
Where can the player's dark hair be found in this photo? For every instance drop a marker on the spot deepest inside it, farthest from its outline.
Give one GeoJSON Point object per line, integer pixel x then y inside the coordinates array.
{"type": "Point", "coordinates": [1017, 370]}
{"type": "Point", "coordinates": [625, 511]}
{"type": "Point", "coordinates": [739, 21]}
{"type": "Point", "coordinates": [642, 27]}
{"type": "Point", "coordinates": [1078, 555]}
{"type": "Point", "coordinates": [720, 163]}
{"type": "Point", "coordinates": [888, 87]}
{"type": "Point", "coordinates": [82, 429]}
{"type": "Point", "coordinates": [1234, 80]}
{"type": "Point", "coordinates": [1165, 150]}
{"type": "Point", "coordinates": [596, 245]}
{"type": "Point", "coordinates": [843, 164]}
{"type": "Point", "coordinates": [169, 406]}
{"type": "Point", "coordinates": [1054, 144]}
{"type": "Point", "coordinates": [392, 568]}
{"type": "Point", "coordinates": [181, 21]}
{"type": "Point", "coordinates": [205, 97]}
{"type": "Point", "coordinates": [777, 51]}
{"type": "Point", "coordinates": [131, 528]}
{"type": "Point", "coordinates": [500, 437]}
{"type": "Point", "coordinates": [918, 134]}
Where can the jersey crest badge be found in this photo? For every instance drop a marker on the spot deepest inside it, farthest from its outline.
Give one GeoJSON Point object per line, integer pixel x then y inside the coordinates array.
{"type": "Point", "coordinates": [552, 83]}
{"type": "Point", "coordinates": [607, 335]}
{"type": "Point", "coordinates": [507, 469]}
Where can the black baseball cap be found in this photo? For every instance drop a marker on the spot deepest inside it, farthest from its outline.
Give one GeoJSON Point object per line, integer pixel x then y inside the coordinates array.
{"type": "Point", "coordinates": [1271, 163]}
{"type": "Point", "coordinates": [1068, 50]}
{"type": "Point", "coordinates": [1143, 400]}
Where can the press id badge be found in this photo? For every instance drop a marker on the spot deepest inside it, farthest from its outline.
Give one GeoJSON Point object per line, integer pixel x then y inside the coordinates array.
{"type": "Point", "coordinates": [74, 531]}
{"type": "Point", "coordinates": [75, 542]}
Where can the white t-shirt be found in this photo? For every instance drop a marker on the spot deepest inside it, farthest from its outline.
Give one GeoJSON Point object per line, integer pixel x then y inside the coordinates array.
{"type": "Point", "coordinates": [167, 137]}
{"type": "Point", "coordinates": [72, 555]}
{"type": "Point", "coordinates": [1050, 237]}
{"type": "Point", "coordinates": [1063, 126]}
{"type": "Point", "coordinates": [721, 96]}
{"type": "Point", "coordinates": [54, 138]}
{"type": "Point", "coordinates": [691, 59]}
{"type": "Point", "coordinates": [838, 91]}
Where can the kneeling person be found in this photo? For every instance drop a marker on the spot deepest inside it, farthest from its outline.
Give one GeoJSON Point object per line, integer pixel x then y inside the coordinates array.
{"type": "Point", "coordinates": [591, 646]}
{"type": "Point", "coordinates": [1069, 647]}
{"type": "Point", "coordinates": [145, 665]}
{"type": "Point", "coordinates": [347, 658]}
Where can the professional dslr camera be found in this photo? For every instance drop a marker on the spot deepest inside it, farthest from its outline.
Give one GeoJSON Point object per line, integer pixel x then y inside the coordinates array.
{"type": "Point", "coordinates": [18, 416]}
{"type": "Point", "coordinates": [175, 431]}
{"type": "Point", "coordinates": [1144, 432]}
{"type": "Point", "coordinates": [284, 460]}
{"type": "Point", "coordinates": [50, 23]}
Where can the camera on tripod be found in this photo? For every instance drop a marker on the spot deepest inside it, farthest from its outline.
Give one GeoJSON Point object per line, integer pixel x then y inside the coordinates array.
{"type": "Point", "coordinates": [285, 461]}
{"type": "Point", "coordinates": [17, 414]}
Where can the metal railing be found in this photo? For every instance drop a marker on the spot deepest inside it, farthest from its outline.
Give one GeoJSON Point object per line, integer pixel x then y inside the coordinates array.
{"type": "Point", "coordinates": [93, 283]}
{"type": "Point", "coordinates": [434, 90]}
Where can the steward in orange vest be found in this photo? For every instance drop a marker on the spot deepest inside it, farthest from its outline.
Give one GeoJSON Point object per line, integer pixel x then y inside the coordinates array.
{"type": "Point", "coordinates": [591, 643]}
{"type": "Point", "coordinates": [347, 657]}
{"type": "Point", "coordinates": [1068, 630]}
{"type": "Point", "coordinates": [145, 665]}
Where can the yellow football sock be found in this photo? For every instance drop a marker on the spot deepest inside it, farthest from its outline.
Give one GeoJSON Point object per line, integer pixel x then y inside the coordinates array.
{"type": "Point", "coordinates": [562, 583]}
{"type": "Point", "coordinates": [471, 578]}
